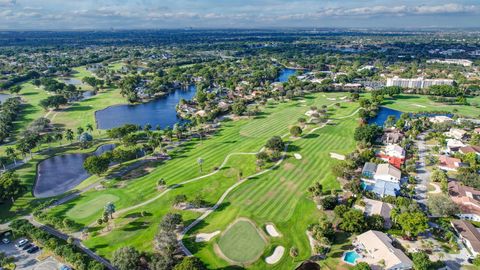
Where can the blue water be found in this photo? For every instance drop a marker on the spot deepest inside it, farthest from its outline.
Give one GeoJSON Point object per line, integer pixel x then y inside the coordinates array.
{"type": "Point", "coordinates": [383, 114]}
{"type": "Point", "coordinates": [3, 97]}
{"type": "Point", "coordinates": [59, 174]}
{"type": "Point", "coordinates": [350, 257]}
{"type": "Point", "coordinates": [161, 111]}
{"type": "Point", "coordinates": [285, 74]}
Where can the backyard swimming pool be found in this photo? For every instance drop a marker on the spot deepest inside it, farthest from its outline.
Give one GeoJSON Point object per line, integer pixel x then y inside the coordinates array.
{"type": "Point", "coordinates": [350, 257]}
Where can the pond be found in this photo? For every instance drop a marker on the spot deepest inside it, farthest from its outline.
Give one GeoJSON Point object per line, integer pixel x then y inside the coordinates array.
{"type": "Point", "coordinates": [73, 81]}
{"type": "Point", "coordinates": [285, 74]}
{"type": "Point", "coordinates": [3, 97]}
{"type": "Point", "coordinates": [161, 111]}
{"type": "Point", "coordinates": [383, 114]}
{"type": "Point", "coordinates": [60, 174]}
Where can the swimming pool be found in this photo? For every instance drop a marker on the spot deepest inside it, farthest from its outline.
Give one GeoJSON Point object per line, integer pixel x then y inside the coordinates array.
{"type": "Point", "coordinates": [350, 257]}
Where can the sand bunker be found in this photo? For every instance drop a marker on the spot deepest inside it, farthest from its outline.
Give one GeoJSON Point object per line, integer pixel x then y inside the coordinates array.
{"type": "Point", "coordinates": [297, 156]}
{"type": "Point", "coordinates": [276, 256]}
{"type": "Point", "coordinates": [205, 237]}
{"type": "Point", "coordinates": [272, 231]}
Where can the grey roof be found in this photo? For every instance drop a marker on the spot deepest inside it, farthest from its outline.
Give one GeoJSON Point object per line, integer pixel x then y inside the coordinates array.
{"type": "Point", "coordinates": [369, 167]}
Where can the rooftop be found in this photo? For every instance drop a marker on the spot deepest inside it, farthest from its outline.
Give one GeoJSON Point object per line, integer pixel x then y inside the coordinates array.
{"type": "Point", "coordinates": [469, 232]}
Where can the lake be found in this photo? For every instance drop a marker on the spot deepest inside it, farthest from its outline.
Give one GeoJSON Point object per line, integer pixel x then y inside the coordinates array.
{"type": "Point", "coordinates": [73, 81]}
{"type": "Point", "coordinates": [161, 111]}
{"type": "Point", "coordinates": [59, 174]}
{"type": "Point", "coordinates": [383, 114]}
{"type": "Point", "coordinates": [3, 97]}
{"type": "Point", "coordinates": [285, 74]}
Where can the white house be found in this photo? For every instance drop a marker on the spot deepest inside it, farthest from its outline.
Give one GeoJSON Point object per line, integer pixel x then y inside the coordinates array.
{"type": "Point", "coordinates": [440, 119]}
{"type": "Point", "coordinates": [456, 133]}
{"type": "Point", "coordinates": [377, 250]}
{"type": "Point", "coordinates": [394, 150]}
{"type": "Point", "coordinates": [387, 172]}
{"type": "Point", "coordinates": [453, 145]}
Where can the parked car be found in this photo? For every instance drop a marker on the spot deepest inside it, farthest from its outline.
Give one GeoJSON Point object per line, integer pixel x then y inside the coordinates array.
{"type": "Point", "coordinates": [27, 246]}
{"type": "Point", "coordinates": [21, 243]}
{"type": "Point", "coordinates": [33, 249]}
{"type": "Point", "coordinates": [5, 240]}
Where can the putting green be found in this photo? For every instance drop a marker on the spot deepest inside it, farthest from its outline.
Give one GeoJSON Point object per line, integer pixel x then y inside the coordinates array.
{"type": "Point", "coordinates": [242, 242]}
{"type": "Point", "coordinates": [91, 207]}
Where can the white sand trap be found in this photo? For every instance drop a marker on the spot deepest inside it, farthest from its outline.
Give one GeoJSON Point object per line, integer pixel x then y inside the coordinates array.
{"type": "Point", "coordinates": [205, 237]}
{"type": "Point", "coordinates": [297, 156]}
{"type": "Point", "coordinates": [344, 97]}
{"type": "Point", "coordinates": [418, 105]}
{"type": "Point", "coordinates": [337, 156]}
{"type": "Point", "coordinates": [331, 98]}
{"type": "Point", "coordinates": [272, 231]}
{"type": "Point", "coordinates": [276, 256]}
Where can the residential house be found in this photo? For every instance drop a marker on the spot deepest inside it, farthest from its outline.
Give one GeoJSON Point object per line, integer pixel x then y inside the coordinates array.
{"type": "Point", "coordinates": [467, 199]}
{"type": "Point", "coordinates": [449, 163]}
{"type": "Point", "coordinates": [456, 133]}
{"type": "Point", "coordinates": [453, 145]}
{"type": "Point", "coordinates": [373, 207]}
{"type": "Point", "coordinates": [369, 170]}
{"type": "Point", "coordinates": [392, 136]}
{"type": "Point", "coordinates": [440, 119]}
{"type": "Point", "coordinates": [377, 250]}
{"type": "Point", "coordinates": [477, 130]}
{"type": "Point", "coordinates": [384, 181]}
{"type": "Point", "coordinates": [469, 235]}
{"type": "Point", "coordinates": [393, 154]}
{"type": "Point", "coordinates": [470, 149]}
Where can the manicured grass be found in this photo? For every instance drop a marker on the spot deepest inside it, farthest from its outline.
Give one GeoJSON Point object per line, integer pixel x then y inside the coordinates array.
{"type": "Point", "coordinates": [418, 103]}
{"type": "Point", "coordinates": [229, 139]}
{"type": "Point", "coordinates": [280, 196]}
{"type": "Point", "coordinates": [81, 113]}
{"type": "Point", "coordinates": [242, 242]}
{"type": "Point", "coordinates": [94, 207]}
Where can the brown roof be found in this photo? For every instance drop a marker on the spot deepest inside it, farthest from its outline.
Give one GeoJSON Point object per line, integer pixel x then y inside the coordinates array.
{"type": "Point", "coordinates": [469, 232]}
{"type": "Point", "coordinates": [467, 198]}
{"type": "Point", "coordinates": [449, 162]}
{"type": "Point", "coordinates": [470, 149]}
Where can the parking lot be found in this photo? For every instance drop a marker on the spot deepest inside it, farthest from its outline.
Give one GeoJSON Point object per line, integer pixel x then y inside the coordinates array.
{"type": "Point", "coordinates": [26, 261]}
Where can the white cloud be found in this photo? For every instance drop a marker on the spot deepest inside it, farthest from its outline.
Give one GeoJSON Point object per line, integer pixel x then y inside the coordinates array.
{"type": "Point", "coordinates": [399, 10]}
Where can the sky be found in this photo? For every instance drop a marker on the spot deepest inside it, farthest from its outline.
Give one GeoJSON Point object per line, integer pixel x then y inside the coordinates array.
{"type": "Point", "coordinates": [151, 14]}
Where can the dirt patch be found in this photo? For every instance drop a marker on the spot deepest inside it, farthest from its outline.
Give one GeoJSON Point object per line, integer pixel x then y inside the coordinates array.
{"type": "Point", "coordinates": [288, 166]}
{"type": "Point", "coordinates": [139, 172]}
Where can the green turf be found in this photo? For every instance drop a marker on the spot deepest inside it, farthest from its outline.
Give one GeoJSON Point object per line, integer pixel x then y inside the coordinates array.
{"type": "Point", "coordinates": [242, 242]}
{"type": "Point", "coordinates": [419, 103]}
{"type": "Point", "coordinates": [94, 207]}
{"type": "Point", "coordinates": [278, 196]}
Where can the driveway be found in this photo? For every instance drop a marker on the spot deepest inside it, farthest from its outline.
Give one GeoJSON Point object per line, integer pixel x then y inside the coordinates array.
{"type": "Point", "coordinates": [423, 175]}
{"type": "Point", "coordinates": [26, 261]}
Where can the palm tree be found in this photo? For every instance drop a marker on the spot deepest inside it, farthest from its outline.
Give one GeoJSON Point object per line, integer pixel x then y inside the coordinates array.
{"type": "Point", "coordinates": [200, 163]}
{"type": "Point", "coordinates": [58, 137]}
{"type": "Point", "coordinates": [11, 154]}
{"type": "Point", "coordinates": [69, 135]}
{"type": "Point", "coordinates": [80, 130]}
{"type": "Point", "coordinates": [89, 127]}
{"type": "Point", "coordinates": [110, 209]}
{"type": "Point", "coordinates": [293, 253]}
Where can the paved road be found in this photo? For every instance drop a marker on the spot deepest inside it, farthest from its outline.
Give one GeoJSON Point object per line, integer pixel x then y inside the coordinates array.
{"type": "Point", "coordinates": [423, 174]}
{"type": "Point", "coordinates": [77, 242]}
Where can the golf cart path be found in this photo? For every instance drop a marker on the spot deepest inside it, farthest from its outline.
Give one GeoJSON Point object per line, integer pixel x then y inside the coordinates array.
{"type": "Point", "coordinates": [181, 235]}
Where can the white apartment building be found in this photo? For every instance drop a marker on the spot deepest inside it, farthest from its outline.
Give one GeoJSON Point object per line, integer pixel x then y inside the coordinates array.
{"type": "Point", "coordinates": [462, 62]}
{"type": "Point", "coordinates": [419, 82]}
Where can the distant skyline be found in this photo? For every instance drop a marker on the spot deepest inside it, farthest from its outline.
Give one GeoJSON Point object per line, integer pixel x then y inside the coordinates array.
{"type": "Point", "coordinates": [150, 14]}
